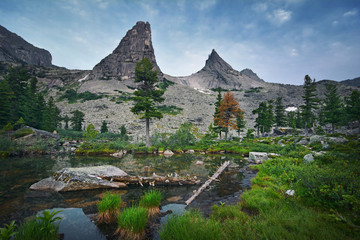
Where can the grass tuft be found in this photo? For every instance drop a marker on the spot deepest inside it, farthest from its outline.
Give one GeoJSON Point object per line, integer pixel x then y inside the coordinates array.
{"type": "Point", "coordinates": [132, 223]}
{"type": "Point", "coordinates": [151, 200]}
{"type": "Point", "coordinates": [109, 208]}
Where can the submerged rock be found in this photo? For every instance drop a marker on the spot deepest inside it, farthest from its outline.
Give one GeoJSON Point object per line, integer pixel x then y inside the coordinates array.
{"type": "Point", "coordinates": [73, 179]}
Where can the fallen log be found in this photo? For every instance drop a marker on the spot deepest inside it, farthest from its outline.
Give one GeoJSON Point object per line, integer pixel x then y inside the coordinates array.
{"type": "Point", "coordinates": [154, 180]}
{"type": "Point", "coordinates": [207, 183]}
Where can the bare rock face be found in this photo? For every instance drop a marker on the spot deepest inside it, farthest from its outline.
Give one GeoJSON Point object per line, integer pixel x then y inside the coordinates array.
{"type": "Point", "coordinates": [120, 64]}
{"type": "Point", "coordinates": [218, 73]}
{"type": "Point", "coordinates": [13, 48]}
{"type": "Point", "coordinates": [74, 179]}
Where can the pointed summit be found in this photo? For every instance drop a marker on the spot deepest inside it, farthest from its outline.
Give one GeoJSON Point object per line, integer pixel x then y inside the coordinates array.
{"type": "Point", "coordinates": [120, 64]}
{"type": "Point", "coordinates": [215, 62]}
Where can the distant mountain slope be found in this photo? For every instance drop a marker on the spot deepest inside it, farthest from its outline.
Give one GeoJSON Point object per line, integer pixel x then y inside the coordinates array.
{"type": "Point", "coordinates": [15, 49]}
{"type": "Point", "coordinates": [218, 73]}
{"type": "Point", "coordinates": [352, 82]}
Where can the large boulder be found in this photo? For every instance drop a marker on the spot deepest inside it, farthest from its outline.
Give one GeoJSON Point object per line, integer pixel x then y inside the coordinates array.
{"type": "Point", "coordinates": [337, 140]}
{"type": "Point", "coordinates": [258, 157]}
{"type": "Point", "coordinates": [315, 139]}
{"type": "Point", "coordinates": [308, 158]}
{"type": "Point", "coordinates": [74, 179]}
{"type": "Point", "coordinates": [303, 142]}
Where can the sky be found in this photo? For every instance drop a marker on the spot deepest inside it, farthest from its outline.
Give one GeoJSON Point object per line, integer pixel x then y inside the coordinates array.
{"type": "Point", "coordinates": [280, 40]}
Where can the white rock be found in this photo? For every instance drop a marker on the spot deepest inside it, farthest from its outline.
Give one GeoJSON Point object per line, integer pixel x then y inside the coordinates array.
{"type": "Point", "coordinates": [258, 157]}
{"type": "Point", "coordinates": [168, 153]}
{"type": "Point", "coordinates": [290, 192]}
{"type": "Point", "coordinates": [199, 163]}
{"type": "Point", "coordinates": [308, 158]}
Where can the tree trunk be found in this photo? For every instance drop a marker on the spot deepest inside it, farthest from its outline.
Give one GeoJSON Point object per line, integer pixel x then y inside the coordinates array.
{"type": "Point", "coordinates": [333, 127]}
{"type": "Point", "coordinates": [220, 134]}
{"type": "Point", "coordinates": [306, 129]}
{"type": "Point", "coordinates": [147, 132]}
{"type": "Point", "coordinates": [226, 136]}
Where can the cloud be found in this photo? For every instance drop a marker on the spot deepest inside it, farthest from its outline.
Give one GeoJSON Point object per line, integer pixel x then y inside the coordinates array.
{"type": "Point", "coordinates": [335, 23]}
{"type": "Point", "coordinates": [149, 9]}
{"type": "Point", "coordinates": [351, 13]}
{"type": "Point", "coordinates": [279, 16]}
{"type": "Point", "coordinates": [203, 5]}
{"type": "Point", "coordinates": [294, 52]}
{"type": "Point", "coordinates": [103, 4]}
{"type": "Point", "coordinates": [260, 7]}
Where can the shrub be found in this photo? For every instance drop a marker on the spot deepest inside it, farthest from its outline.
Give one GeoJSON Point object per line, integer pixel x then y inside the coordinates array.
{"type": "Point", "coordinates": [151, 200]}
{"type": "Point", "coordinates": [8, 231]}
{"type": "Point", "coordinates": [43, 227]}
{"type": "Point", "coordinates": [132, 223]}
{"type": "Point", "coordinates": [22, 132]}
{"type": "Point", "coordinates": [109, 208]}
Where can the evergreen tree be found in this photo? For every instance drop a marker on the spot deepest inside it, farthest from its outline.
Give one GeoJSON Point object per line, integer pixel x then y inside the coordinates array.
{"type": "Point", "coordinates": [333, 106]}
{"type": "Point", "coordinates": [260, 121]}
{"type": "Point", "coordinates": [77, 119]}
{"type": "Point", "coordinates": [31, 113]}
{"type": "Point", "coordinates": [269, 122]}
{"type": "Point", "coordinates": [66, 119]}
{"type": "Point", "coordinates": [240, 123]}
{"type": "Point", "coordinates": [147, 96]}
{"type": "Point", "coordinates": [6, 96]}
{"type": "Point", "coordinates": [122, 130]}
{"type": "Point", "coordinates": [310, 102]}
{"type": "Point", "coordinates": [217, 128]}
{"type": "Point", "coordinates": [90, 132]}
{"type": "Point", "coordinates": [353, 106]}
{"type": "Point", "coordinates": [280, 118]}
{"type": "Point", "coordinates": [229, 110]}
{"type": "Point", "coordinates": [291, 119]}
{"type": "Point", "coordinates": [51, 116]}
{"type": "Point", "coordinates": [299, 119]}
{"type": "Point", "coordinates": [104, 127]}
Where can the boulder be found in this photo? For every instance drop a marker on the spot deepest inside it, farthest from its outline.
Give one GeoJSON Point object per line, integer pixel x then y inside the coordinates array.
{"type": "Point", "coordinates": [281, 143]}
{"type": "Point", "coordinates": [74, 179]}
{"type": "Point", "coordinates": [199, 162]}
{"type": "Point", "coordinates": [316, 138]}
{"type": "Point", "coordinates": [303, 142]}
{"type": "Point", "coordinates": [258, 157]}
{"type": "Point", "coordinates": [337, 140]}
{"type": "Point", "coordinates": [190, 151]}
{"type": "Point", "coordinates": [119, 154]}
{"type": "Point", "coordinates": [308, 158]}
{"type": "Point", "coordinates": [168, 153]}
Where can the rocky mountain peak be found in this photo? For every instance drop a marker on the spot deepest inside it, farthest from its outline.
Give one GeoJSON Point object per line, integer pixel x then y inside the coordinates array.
{"type": "Point", "coordinates": [248, 72]}
{"type": "Point", "coordinates": [13, 48]}
{"type": "Point", "coordinates": [120, 64]}
{"type": "Point", "coordinates": [215, 62]}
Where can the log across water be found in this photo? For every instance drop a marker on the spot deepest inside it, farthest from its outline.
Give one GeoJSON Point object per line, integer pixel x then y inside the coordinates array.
{"type": "Point", "coordinates": [154, 180]}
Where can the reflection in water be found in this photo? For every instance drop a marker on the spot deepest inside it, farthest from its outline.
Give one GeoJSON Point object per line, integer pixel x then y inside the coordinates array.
{"type": "Point", "coordinates": [17, 174]}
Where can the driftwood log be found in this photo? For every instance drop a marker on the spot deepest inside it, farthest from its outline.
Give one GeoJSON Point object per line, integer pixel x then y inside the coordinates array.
{"type": "Point", "coordinates": [154, 180]}
{"type": "Point", "coordinates": [207, 183]}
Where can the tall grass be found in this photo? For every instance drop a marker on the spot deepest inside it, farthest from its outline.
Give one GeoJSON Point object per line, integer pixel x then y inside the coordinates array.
{"type": "Point", "coordinates": [191, 226]}
{"type": "Point", "coordinates": [151, 201]}
{"type": "Point", "coordinates": [132, 223]}
{"type": "Point", "coordinates": [109, 208]}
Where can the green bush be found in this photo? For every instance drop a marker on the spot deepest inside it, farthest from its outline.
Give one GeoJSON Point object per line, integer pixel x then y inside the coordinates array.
{"type": "Point", "coordinates": [171, 110]}
{"type": "Point", "coordinates": [22, 132]}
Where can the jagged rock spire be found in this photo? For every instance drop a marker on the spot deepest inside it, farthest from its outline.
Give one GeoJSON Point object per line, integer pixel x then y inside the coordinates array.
{"type": "Point", "coordinates": [120, 64]}
{"type": "Point", "coordinates": [215, 62]}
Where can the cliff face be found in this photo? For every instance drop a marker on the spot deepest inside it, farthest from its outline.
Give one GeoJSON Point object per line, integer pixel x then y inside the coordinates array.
{"type": "Point", "coordinates": [15, 49]}
{"type": "Point", "coordinates": [218, 73]}
{"type": "Point", "coordinates": [120, 64]}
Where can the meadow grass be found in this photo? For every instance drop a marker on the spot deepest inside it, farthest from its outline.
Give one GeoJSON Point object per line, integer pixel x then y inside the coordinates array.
{"type": "Point", "coordinates": [132, 223]}
{"type": "Point", "coordinates": [109, 208]}
{"type": "Point", "coordinates": [151, 200]}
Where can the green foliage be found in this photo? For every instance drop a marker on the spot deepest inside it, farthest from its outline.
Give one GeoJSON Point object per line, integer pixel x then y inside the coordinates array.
{"type": "Point", "coordinates": [133, 219]}
{"type": "Point", "coordinates": [43, 227]}
{"type": "Point", "coordinates": [171, 110]}
{"type": "Point", "coordinates": [310, 101]}
{"type": "Point", "coordinates": [69, 134]}
{"type": "Point", "coordinates": [150, 199]}
{"type": "Point", "coordinates": [104, 127]}
{"type": "Point", "coordinates": [8, 231]}
{"type": "Point", "coordinates": [19, 123]}
{"type": "Point", "coordinates": [333, 109]}
{"type": "Point", "coordinates": [280, 118]}
{"type": "Point", "coordinates": [146, 96]}
{"type": "Point", "coordinates": [190, 225]}
{"type": "Point", "coordinates": [72, 96]}
{"type": "Point", "coordinates": [254, 90]}
{"type": "Point", "coordinates": [182, 137]}
{"type": "Point", "coordinates": [265, 116]}
{"type": "Point", "coordinates": [90, 132]}
{"type": "Point", "coordinates": [165, 84]}
{"type": "Point", "coordinates": [250, 133]}
{"type": "Point", "coordinates": [109, 202]}
{"type": "Point", "coordinates": [51, 116]}
{"type": "Point", "coordinates": [8, 127]}
{"type": "Point", "coordinates": [352, 106]}
{"type": "Point", "coordinates": [22, 132]}
{"type": "Point", "coordinates": [77, 119]}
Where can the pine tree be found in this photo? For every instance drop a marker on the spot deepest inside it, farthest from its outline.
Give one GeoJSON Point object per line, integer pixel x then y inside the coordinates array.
{"type": "Point", "coordinates": [352, 107]}
{"type": "Point", "coordinates": [77, 119]}
{"type": "Point", "coordinates": [240, 123]}
{"type": "Point", "coordinates": [269, 122]}
{"type": "Point", "coordinates": [229, 110]}
{"type": "Point", "coordinates": [291, 119]}
{"type": "Point", "coordinates": [217, 128]}
{"type": "Point", "coordinates": [90, 132]}
{"type": "Point", "coordinates": [146, 96]}
{"type": "Point", "coordinates": [6, 96]}
{"type": "Point", "coordinates": [104, 127]}
{"type": "Point", "coordinates": [51, 116]}
{"type": "Point", "coordinates": [66, 119]}
{"type": "Point", "coordinates": [260, 121]}
{"type": "Point", "coordinates": [333, 106]}
{"type": "Point", "coordinates": [310, 102]}
{"type": "Point", "coordinates": [280, 118]}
